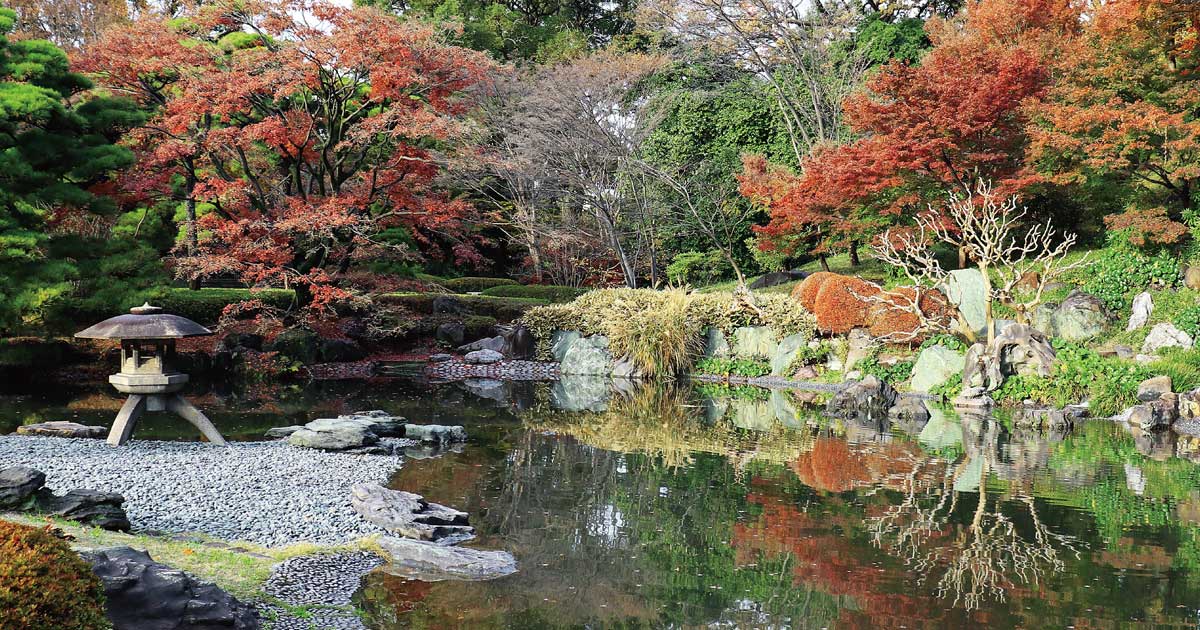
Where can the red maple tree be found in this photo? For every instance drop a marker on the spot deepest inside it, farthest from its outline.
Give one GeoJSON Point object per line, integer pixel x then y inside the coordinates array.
{"type": "Point", "coordinates": [305, 136]}
{"type": "Point", "coordinates": [956, 116]}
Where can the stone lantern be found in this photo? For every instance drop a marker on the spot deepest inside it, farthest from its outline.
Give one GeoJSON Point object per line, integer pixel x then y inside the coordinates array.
{"type": "Point", "coordinates": [147, 373]}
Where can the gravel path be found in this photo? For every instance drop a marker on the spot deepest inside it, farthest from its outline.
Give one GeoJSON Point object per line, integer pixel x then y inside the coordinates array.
{"type": "Point", "coordinates": [323, 586]}
{"type": "Point", "coordinates": [268, 493]}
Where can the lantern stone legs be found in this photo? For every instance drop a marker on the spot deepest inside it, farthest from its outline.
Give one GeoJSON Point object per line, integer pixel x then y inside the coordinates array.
{"type": "Point", "coordinates": [156, 392]}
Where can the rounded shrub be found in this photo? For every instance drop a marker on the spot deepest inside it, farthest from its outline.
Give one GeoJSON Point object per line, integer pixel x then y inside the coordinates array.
{"type": "Point", "coordinates": [840, 304]}
{"type": "Point", "coordinates": [44, 584]}
{"type": "Point", "coordinates": [806, 291]}
{"type": "Point", "coordinates": [895, 319]}
{"type": "Point", "coordinates": [553, 293]}
{"type": "Point", "coordinates": [472, 284]}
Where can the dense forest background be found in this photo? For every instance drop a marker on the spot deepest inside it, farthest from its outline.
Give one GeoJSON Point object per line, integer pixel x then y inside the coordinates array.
{"type": "Point", "coordinates": [344, 152]}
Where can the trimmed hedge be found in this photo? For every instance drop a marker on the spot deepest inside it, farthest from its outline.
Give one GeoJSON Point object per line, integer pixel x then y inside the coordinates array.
{"type": "Point", "coordinates": [472, 285]}
{"type": "Point", "coordinates": [44, 584]}
{"type": "Point", "coordinates": [205, 305]}
{"type": "Point", "coordinates": [504, 309]}
{"type": "Point", "coordinates": [841, 306]}
{"type": "Point", "coordinates": [553, 293]}
{"type": "Point", "coordinates": [806, 291]}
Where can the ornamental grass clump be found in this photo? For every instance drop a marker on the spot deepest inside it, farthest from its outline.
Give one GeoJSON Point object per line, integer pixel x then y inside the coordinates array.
{"type": "Point", "coordinates": [663, 340]}
{"type": "Point", "coordinates": [44, 584]}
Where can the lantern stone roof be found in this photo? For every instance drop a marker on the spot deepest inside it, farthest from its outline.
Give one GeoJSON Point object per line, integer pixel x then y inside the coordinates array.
{"type": "Point", "coordinates": [144, 322]}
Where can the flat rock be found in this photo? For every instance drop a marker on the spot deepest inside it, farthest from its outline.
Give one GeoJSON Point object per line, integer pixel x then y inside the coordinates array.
{"type": "Point", "coordinates": [495, 344]}
{"type": "Point", "coordinates": [435, 433]}
{"type": "Point", "coordinates": [431, 562]}
{"type": "Point", "coordinates": [483, 357]}
{"type": "Point", "coordinates": [1153, 388]}
{"type": "Point", "coordinates": [356, 430]}
{"type": "Point", "coordinates": [1165, 335]}
{"type": "Point", "coordinates": [409, 515]}
{"type": "Point", "coordinates": [61, 428]}
{"type": "Point", "coordinates": [282, 432]}
{"type": "Point", "coordinates": [18, 485]}
{"type": "Point", "coordinates": [90, 507]}
{"type": "Point", "coordinates": [142, 594]}
{"type": "Point", "coordinates": [441, 357]}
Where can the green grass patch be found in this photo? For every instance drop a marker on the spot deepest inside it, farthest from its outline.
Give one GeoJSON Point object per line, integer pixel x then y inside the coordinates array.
{"type": "Point", "coordinates": [475, 284]}
{"type": "Point", "coordinates": [552, 293]}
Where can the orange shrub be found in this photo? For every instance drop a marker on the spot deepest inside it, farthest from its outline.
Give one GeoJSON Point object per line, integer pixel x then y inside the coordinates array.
{"type": "Point", "coordinates": [840, 305]}
{"type": "Point", "coordinates": [43, 584]}
{"type": "Point", "coordinates": [831, 466]}
{"type": "Point", "coordinates": [895, 320]}
{"type": "Point", "coordinates": [806, 291]}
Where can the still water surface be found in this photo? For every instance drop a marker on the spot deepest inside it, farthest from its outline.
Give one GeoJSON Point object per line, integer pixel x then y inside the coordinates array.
{"type": "Point", "coordinates": [671, 508]}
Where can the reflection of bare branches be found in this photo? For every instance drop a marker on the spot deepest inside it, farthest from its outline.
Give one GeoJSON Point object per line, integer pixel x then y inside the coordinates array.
{"type": "Point", "coordinates": [988, 555]}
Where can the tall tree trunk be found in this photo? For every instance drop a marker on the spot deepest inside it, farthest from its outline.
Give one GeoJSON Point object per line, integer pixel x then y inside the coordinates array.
{"type": "Point", "coordinates": [854, 260]}
{"type": "Point", "coordinates": [824, 262]}
{"type": "Point", "coordinates": [192, 239]}
{"type": "Point", "coordinates": [962, 258]}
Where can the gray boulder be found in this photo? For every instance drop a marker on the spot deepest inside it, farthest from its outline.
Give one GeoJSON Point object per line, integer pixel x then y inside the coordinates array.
{"type": "Point", "coordinates": [775, 278]}
{"type": "Point", "coordinates": [430, 562]}
{"type": "Point", "coordinates": [783, 354]}
{"type": "Point", "coordinates": [450, 333]}
{"type": "Point", "coordinates": [90, 507]}
{"type": "Point", "coordinates": [964, 289]}
{"type": "Point", "coordinates": [1081, 316]}
{"type": "Point", "coordinates": [588, 356]}
{"type": "Point", "coordinates": [865, 396]}
{"type": "Point", "coordinates": [282, 432]}
{"type": "Point", "coordinates": [1050, 419]}
{"type": "Point", "coordinates": [934, 366]}
{"type": "Point", "coordinates": [495, 344]}
{"type": "Point", "coordinates": [440, 357]}
{"type": "Point", "coordinates": [1153, 388]}
{"type": "Point", "coordinates": [483, 357]}
{"type": "Point", "coordinates": [1165, 335]}
{"type": "Point", "coordinates": [347, 432]}
{"type": "Point", "coordinates": [1018, 349]}
{"type": "Point", "coordinates": [859, 345]}
{"type": "Point", "coordinates": [625, 368]}
{"type": "Point", "coordinates": [1143, 307]}
{"type": "Point", "coordinates": [751, 342]}
{"type": "Point", "coordinates": [18, 485]}
{"type": "Point", "coordinates": [1156, 415]}
{"type": "Point", "coordinates": [448, 305]}
{"type": "Point", "coordinates": [409, 515]}
{"type": "Point", "coordinates": [716, 345]}
{"type": "Point", "coordinates": [561, 341]}
{"type": "Point", "coordinates": [910, 411]}
{"type": "Point", "coordinates": [518, 342]}
{"type": "Point", "coordinates": [435, 433]}
{"type": "Point", "coordinates": [60, 428]}
{"type": "Point", "coordinates": [141, 594]}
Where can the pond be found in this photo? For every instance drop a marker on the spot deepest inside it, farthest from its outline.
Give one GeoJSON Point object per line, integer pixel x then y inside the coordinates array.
{"type": "Point", "coordinates": [669, 507]}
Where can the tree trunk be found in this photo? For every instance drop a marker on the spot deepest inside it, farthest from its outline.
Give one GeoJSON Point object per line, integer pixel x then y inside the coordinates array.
{"type": "Point", "coordinates": [987, 305]}
{"type": "Point", "coordinates": [854, 260]}
{"type": "Point", "coordinates": [962, 258]}
{"type": "Point", "coordinates": [192, 239]}
{"type": "Point", "coordinates": [824, 262]}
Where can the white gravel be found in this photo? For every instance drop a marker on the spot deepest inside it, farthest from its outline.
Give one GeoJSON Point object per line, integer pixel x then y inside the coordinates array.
{"type": "Point", "coordinates": [270, 493]}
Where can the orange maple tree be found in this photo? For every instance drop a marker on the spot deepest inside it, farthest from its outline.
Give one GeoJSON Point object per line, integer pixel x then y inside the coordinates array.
{"type": "Point", "coordinates": [1122, 116]}
{"type": "Point", "coordinates": [300, 136]}
{"type": "Point", "coordinates": [955, 116]}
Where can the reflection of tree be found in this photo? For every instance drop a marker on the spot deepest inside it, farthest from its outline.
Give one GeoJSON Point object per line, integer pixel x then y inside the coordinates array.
{"type": "Point", "coordinates": [989, 554]}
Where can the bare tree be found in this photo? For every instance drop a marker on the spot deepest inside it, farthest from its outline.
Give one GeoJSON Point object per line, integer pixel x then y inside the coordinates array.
{"type": "Point", "coordinates": [798, 48]}
{"type": "Point", "coordinates": [582, 122]}
{"type": "Point", "coordinates": [984, 225]}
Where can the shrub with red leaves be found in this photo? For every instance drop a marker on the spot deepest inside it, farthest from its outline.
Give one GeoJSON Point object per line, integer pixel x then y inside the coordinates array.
{"type": "Point", "coordinates": [840, 305]}
{"type": "Point", "coordinates": [895, 320]}
{"type": "Point", "coordinates": [806, 291]}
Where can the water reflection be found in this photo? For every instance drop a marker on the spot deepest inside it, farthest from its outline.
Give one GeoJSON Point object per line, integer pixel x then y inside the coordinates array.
{"type": "Point", "coordinates": [665, 507]}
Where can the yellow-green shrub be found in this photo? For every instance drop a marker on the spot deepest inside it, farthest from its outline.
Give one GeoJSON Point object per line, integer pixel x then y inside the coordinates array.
{"type": "Point", "coordinates": [43, 584]}
{"type": "Point", "coordinates": [661, 330]}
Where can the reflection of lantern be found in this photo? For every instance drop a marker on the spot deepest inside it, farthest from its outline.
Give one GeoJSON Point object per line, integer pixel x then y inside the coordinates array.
{"type": "Point", "coordinates": [147, 372]}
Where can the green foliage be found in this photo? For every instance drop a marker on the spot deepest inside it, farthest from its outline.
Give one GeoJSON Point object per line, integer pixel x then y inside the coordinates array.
{"type": "Point", "coordinates": [1109, 384]}
{"type": "Point", "coordinates": [894, 373]}
{"type": "Point", "coordinates": [698, 268]}
{"type": "Point", "coordinates": [555, 294]}
{"type": "Point", "coordinates": [882, 40]}
{"type": "Point", "coordinates": [748, 368]}
{"type": "Point", "coordinates": [952, 342]}
{"type": "Point", "coordinates": [1182, 365]}
{"type": "Point", "coordinates": [205, 305]}
{"type": "Point", "coordinates": [737, 392]}
{"type": "Point", "coordinates": [662, 341]}
{"type": "Point", "coordinates": [474, 285]}
{"type": "Point", "coordinates": [1118, 272]}
{"type": "Point", "coordinates": [1188, 320]}
{"type": "Point", "coordinates": [44, 584]}
{"type": "Point", "coordinates": [53, 147]}
{"type": "Point", "coordinates": [948, 388]}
